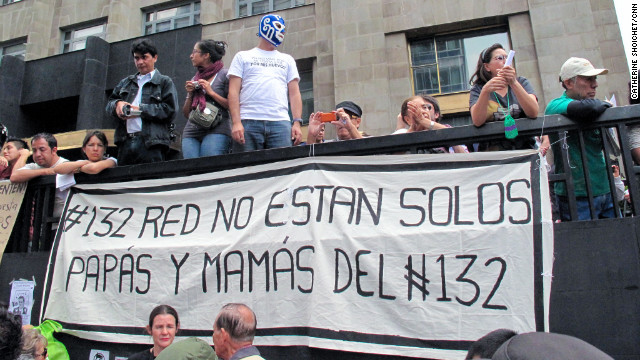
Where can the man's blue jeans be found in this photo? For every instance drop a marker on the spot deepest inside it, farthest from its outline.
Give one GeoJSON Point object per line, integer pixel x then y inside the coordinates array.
{"type": "Point", "coordinates": [262, 134]}
{"type": "Point", "coordinates": [603, 205]}
{"type": "Point", "coordinates": [211, 144]}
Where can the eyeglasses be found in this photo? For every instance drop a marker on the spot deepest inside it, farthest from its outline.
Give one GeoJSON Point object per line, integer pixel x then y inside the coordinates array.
{"type": "Point", "coordinates": [500, 57]}
{"type": "Point", "coordinates": [194, 51]}
{"type": "Point", "coordinates": [352, 116]}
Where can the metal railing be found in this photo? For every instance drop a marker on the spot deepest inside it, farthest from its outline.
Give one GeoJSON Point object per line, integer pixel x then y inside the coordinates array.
{"type": "Point", "coordinates": [34, 228]}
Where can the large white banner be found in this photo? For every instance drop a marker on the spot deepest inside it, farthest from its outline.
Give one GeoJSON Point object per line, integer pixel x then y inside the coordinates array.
{"type": "Point", "coordinates": [412, 255]}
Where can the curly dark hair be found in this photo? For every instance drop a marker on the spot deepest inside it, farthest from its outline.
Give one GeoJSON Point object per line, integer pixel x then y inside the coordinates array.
{"type": "Point", "coordinates": [10, 334]}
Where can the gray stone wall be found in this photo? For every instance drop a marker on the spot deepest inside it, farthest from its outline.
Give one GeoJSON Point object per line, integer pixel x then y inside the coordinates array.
{"type": "Point", "coordinates": [582, 28]}
{"type": "Point", "coordinates": [358, 49]}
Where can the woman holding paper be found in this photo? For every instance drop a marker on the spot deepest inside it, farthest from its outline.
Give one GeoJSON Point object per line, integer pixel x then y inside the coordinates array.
{"type": "Point", "coordinates": [498, 94]}
{"type": "Point", "coordinates": [163, 326]}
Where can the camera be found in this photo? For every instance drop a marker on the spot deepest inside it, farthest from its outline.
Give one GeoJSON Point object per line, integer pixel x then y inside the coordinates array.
{"type": "Point", "coordinates": [128, 111]}
{"type": "Point", "coordinates": [196, 85]}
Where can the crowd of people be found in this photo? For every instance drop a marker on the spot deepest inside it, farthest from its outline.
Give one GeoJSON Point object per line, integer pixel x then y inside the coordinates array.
{"type": "Point", "coordinates": [234, 329]}
{"type": "Point", "coordinates": [247, 107]}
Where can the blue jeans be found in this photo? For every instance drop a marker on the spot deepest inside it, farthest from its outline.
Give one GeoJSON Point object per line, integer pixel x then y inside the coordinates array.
{"type": "Point", "coordinates": [133, 151]}
{"type": "Point", "coordinates": [603, 205]}
{"type": "Point", "coordinates": [210, 145]}
{"type": "Point", "coordinates": [262, 134]}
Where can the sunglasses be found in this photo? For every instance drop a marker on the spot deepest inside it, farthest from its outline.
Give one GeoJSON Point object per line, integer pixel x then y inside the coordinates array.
{"type": "Point", "coordinates": [500, 57]}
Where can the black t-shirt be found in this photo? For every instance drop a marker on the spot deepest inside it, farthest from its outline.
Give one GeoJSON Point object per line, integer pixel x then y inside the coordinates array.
{"type": "Point", "coordinates": [143, 355]}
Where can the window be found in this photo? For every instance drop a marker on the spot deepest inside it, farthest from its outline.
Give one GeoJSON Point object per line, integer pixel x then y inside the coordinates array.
{"type": "Point", "coordinates": [16, 48]}
{"type": "Point", "coordinates": [306, 92]}
{"type": "Point", "coordinates": [76, 38]}
{"type": "Point", "coordinates": [444, 64]}
{"type": "Point", "coordinates": [7, 2]}
{"type": "Point", "coordinates": [253, 7]}
{"type": "Point", "coordinates": [170, 18]}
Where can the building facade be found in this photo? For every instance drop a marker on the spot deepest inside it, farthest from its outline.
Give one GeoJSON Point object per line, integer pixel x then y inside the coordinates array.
{"type": "Point", "coordinates": [69, 54]}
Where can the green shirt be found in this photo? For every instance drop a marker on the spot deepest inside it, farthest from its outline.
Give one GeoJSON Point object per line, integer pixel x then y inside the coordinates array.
{"type": "Point", "coordinates": [595, 157]}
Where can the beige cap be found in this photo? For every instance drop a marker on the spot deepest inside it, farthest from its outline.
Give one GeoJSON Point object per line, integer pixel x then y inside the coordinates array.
{"type": "Point", "coordinates": [579, 67]}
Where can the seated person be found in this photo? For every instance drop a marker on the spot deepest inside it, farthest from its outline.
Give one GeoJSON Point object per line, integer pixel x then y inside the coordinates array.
{"type": "Point", "coordinates": [421, 113]}
{"type": "Point", "coordinates": [12, 150]}
{"type": "Point", "coordinates": [94, 147]}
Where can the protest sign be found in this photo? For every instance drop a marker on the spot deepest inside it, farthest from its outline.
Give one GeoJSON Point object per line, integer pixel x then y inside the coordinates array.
{"type": "Point", "coordinates": [413, 255]}
{"type": "Point", "coordinates": [11, 195]}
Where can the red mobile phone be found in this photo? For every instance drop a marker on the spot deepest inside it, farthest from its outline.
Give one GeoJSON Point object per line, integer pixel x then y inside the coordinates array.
{"type": "Point", "coordinates": [328, 117]}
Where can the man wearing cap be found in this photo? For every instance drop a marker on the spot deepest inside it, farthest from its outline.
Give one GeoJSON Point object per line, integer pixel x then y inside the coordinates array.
{"type": "Point", "coordinates": [233, 333]}
{"type": "Point", "coordinates": [259, 81]}
{"type": "Point", "coordinates": [578, 103]}
{"type": "Point", "coordinates": [349, 117]}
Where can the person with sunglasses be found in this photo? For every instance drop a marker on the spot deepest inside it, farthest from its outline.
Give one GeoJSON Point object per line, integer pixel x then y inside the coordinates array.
{"type": "Point", "coordinates": [34, 345]}
{"type": "Point", "coordinates": [498, 94]}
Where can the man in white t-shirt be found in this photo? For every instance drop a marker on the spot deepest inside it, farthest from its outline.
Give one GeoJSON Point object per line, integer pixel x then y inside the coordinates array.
{"type": "Point", "coordinates": [259, 81]}
{"type": "Point", "coordinates": [45, 155]}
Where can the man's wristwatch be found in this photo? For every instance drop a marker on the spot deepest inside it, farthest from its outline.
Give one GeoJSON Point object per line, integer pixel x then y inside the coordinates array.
{"type": "Point", "coordinates": [433, 123]}
{"type": "Point", "coordinates": [297, 120]}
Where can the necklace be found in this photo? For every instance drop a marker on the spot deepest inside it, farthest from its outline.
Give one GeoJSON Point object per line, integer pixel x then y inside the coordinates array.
{"type": "Point", "coordinates": [510, 128]}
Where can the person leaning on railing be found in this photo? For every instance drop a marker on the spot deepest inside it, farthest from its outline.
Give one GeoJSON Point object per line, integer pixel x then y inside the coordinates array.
{"type": "Point", "coordinates": [12, 150]}
{"type": "Point", "coordinates": [422, 113]}
{"type": "Point", "coordinates": [498, 94]}
{"type": "Point", "coordinates": [94, 147]}
{"type": "Point", "coordinates": [579, 79]}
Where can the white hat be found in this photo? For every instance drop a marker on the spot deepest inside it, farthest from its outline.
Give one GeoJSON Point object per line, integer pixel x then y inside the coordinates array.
{"type": "Point", "coordinates": [579, 67]}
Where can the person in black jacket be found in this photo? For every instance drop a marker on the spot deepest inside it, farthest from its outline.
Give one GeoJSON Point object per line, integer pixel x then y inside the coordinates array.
{"type": "Point", "coordinates": [144, 105]}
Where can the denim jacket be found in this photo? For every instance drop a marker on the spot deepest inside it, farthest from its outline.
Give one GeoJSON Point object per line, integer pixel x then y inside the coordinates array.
{"type": "Point", "coordinates": [158, 106]}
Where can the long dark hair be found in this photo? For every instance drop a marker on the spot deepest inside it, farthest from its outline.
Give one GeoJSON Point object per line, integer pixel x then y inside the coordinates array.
{"type": "Point", "coordinates": [97, 133]}
{"type": "Point", "coordinates": [216, 49]}
{"type": "Point", "coordinates": [163, 310]}
{"type": "Point", "coordinates": [481, 75]}
{"type": "Point", "coordinates": [101, 136]}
